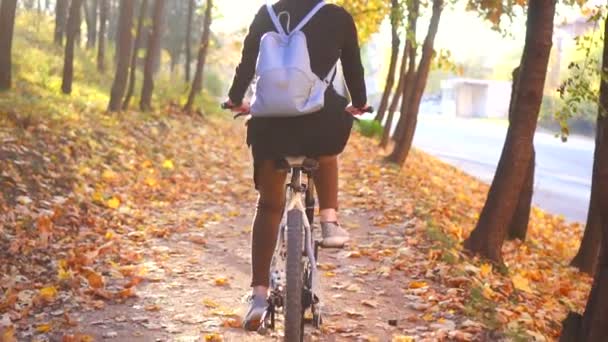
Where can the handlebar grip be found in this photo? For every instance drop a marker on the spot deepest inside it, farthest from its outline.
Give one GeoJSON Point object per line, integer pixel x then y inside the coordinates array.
{"type": "Point", "coordinates": [369, 109]}
{"type": "Point", "coordinates": [226, 105]}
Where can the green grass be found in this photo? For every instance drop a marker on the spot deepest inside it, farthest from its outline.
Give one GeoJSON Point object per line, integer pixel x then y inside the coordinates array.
{"type": "Point", "coordinates": [369, 128]}
{"type": "Point", "coordinates": [37, 76]}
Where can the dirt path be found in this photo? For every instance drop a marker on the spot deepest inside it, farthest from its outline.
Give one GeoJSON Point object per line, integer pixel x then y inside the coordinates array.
{"type": "Point", "coordinates": [180, 260]}
{"type": "Point", "coordinates": [197, 283]}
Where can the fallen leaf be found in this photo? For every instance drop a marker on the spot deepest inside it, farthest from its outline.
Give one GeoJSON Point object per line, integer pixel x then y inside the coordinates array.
{"type": "Point", "coordinates": [354, 314]}
{"type": "Point", "coordinates": [485, 270]}
{"type": "Point", "coordinates": [43, 328]}
{"type": "Point", "coordinates": [403, 338]}
{"type": "Point", "coordinates": [213, 337]}
{"type": "Point", "coordinates": [353, 254]}
{"type": "Point", "coordinates": [152, 307]}
{"type": "Point", "coordinates": [197, 238]}
{"type": "Point", "coordinates": [48, 293]}
{"type": "Point", "coordinates": [521, 283]}
{"type": "Point", "coordinates": [78, 338]}
{"type": "Point", "coordinates": [210, 304]}
{"type": "Point", "coordinates": [417, 284]}
{"type": "Point", "coordinates": [221, 281]}
{"type": "Point", "coordinates": [168, 164]}
{"type": "Point", "coordinates": [113, 203]}
{"type": "Point", "coordinates": [232, 323]}
{"type": "Point", "coordinates": [8, 334]}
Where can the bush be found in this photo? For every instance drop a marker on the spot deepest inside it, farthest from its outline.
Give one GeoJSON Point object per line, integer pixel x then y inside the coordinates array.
{"type": "Point", "coordinates": [369, 128]}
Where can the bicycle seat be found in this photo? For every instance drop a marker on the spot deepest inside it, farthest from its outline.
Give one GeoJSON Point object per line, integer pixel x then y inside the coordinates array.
{"type": "Point", "coordinates": [302, 162]}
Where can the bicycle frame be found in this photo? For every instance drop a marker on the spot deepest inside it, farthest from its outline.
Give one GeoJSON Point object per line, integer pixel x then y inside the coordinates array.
{"type": "Point", "coordinates": [294, 200]}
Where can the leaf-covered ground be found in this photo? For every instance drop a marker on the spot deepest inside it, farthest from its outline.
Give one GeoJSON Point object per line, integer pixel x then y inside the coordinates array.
{"type": "Point", "coordinates": [135, 227]}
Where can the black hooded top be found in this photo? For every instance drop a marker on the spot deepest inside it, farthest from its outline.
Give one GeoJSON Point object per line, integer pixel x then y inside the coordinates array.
{"type": "Point", "coordinates": [331, 35]}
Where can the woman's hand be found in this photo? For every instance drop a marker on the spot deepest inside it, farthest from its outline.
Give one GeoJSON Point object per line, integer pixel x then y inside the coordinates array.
{"type": "Point", "coordinates": [243, 108]}
{"type": "Point", "coordinates": [358, 111]}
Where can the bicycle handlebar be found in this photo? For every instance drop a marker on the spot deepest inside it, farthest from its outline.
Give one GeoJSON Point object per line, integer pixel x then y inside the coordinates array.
{"type": "Point", "coordinates": [226, 105]}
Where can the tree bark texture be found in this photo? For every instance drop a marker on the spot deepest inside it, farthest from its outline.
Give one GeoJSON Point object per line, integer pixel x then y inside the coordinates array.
{"type": "Point", "coordinates": [390, 78]}
{"type": "Point", "coordinates": [189, 39]}
{"type": "Point", "coordinates": [151, 55]}
{"type": "Point", "coordinates": [68, 61]}
{"type": "Point", "coordinates": [61, 14]}
{"type": "Point", "coordinates": [197, 83]}
{"type": "Point", "coordinates": [8, 9]}
{"type": "Point", "coordinates": [140, 23]}
{"type": "Point", "coordinates": [101, 42]}
{"type": "Point", "coordinates": [125, 40]}
{"type": "Point", "coordinates": [411, 107]}
{"type": "Point", "coordinates": [488, 236]}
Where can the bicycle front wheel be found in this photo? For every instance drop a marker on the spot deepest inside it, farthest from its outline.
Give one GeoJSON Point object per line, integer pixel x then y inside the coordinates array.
{"type": "Point", "coordinates": [294, 320]}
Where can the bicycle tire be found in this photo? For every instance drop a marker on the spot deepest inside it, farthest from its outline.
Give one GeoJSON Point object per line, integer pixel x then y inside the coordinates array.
{"type": "Point", "coordinates": [294, 327]}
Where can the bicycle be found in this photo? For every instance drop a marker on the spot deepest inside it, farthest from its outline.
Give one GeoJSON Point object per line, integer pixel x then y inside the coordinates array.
{"type": "Point", "coordinates": [294, 280]}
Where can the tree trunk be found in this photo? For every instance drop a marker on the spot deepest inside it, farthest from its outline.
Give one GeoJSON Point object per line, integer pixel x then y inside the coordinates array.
{"type": "Point", "coordinates": [140, 23]}
{"type": "Point", "coordinates": [407, 50]}
{"type": "Point", "coordinates": [68, 61]}
{"type": "Point", "coordinates": [7, 26]}
{"type": "Point", "coordinates": [390, 78]}
{"type": "Point", "coordinates": [197, 83]}
{"type": "Point", "coordinates": [406, 94]}
{"type": "Point", "coordinates": [125, 40]}
{"type": "Point", "coordinates": [101, 48]}
{"type": "Point", "coordinates": [518, 228]}
{"type": "Point", "coordinates": [406, 79]}
{"type": "Point", "coordinates": [411, 107]}
{"type": "Point", "coordinates": [189, 39]}
{"type": "Point", "coordinates": [594, 324]}
{"type": "Point", "coordinates": [61, 11]}
{"type": "Point", "coordinates": [587, 256]}
{"type": "Point", "coordinates": [151, 53]}
{"type": "Point", "coordinates": [90, 10]}
{"type": "Point", "coordinates": [488, 237]}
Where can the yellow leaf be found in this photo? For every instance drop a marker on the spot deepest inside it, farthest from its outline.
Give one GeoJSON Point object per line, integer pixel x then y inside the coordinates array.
{"type": "Point", "coordinates": [168, 164]}
{"type": "Point", "coordinates": [417, 284]}
{"type": "Point", "coordinates": [113, 203]}
{"type": "Point", "coordinates": [488, 293]}
{"type": "Point", "coordinates": [354, 254]}
{"type": "Point", "coordinates": [213, 337]}
{"type": "Point", "coordinates": [109, 235]}
{"type": "Point", "coordinates": [109, 175]}
{"type": "Point", "coordinates": [48, 293]}
{"type": "Point", "coordinates": [221, 281]}
{"type": "Point", "coordinates": [210, 304]}
{"type": "Point", "coordinates": [98, 197]}
{"type": "Point", "coordinates": [64, 274]}
{"type": "Point", "coordinates": [403, 338]}
{"type": "Point", "coordinates": [485, 270]}
{"type": "Point", "coordinates": [521, 283]}
{"type": "Point", "coordinates": [151, 181]}
{"type": "Point", "coordinates": [43, 328]}
{"type": "Point", "coordinates": [329, 274]}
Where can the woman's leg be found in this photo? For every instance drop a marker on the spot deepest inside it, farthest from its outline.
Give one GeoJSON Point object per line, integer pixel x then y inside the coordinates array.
{"type": "Point", "coordinates": [271, 200]}
{"type": "Point", "coordinates": [326, 180]}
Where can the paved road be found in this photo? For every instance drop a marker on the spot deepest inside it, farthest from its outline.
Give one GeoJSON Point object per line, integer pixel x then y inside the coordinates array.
{"type": "Point", "coordinates": [563, 170]}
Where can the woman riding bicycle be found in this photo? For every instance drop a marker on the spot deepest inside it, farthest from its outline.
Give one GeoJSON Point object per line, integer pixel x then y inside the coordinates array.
{"type": "Point", "coordinates": [331, 36]}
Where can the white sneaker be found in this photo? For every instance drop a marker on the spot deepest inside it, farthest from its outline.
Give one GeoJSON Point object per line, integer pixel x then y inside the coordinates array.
{"type": "Point", "coordinates": [257, 307]}
{"type": "Point", "coordinates": [334, 236]}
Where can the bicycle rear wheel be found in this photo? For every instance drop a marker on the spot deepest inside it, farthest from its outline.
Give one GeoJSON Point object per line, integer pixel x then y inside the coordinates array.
{"type": "Point", "coordinates": [294, 320]}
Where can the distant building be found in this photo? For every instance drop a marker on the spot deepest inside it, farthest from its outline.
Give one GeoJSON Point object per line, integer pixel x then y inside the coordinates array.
{"type": "Point", "coordinates": [472, 98]}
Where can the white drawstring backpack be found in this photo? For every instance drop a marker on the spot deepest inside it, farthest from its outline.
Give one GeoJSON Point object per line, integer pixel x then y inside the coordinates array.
{"type": "Point", "coordinates": [285, 84]}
